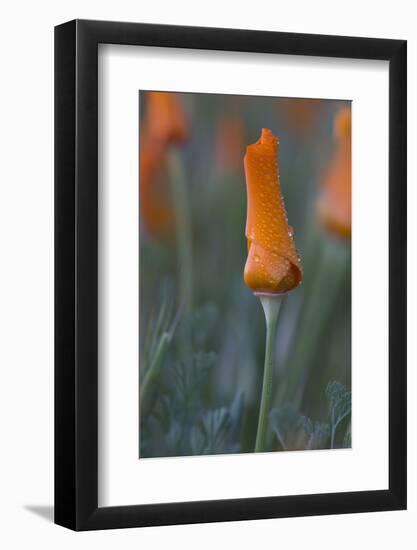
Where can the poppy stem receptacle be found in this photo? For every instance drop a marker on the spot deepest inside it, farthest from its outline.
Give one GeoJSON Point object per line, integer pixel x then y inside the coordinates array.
{"type": "Point", "coordinates": [271, 304]}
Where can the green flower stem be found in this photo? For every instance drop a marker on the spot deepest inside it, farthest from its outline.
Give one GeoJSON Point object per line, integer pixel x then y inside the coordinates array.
{"type": "Point", "coordinates": [320, 301]}
{"type": "Point", "coordinates": [183, 230]}
{"type": "Point", "coordinates": [147, 393]}
{"type": "Point", "coordinates": [271, 305]}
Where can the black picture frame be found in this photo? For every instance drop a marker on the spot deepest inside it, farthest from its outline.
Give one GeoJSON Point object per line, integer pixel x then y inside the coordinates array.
{"type": "Point", "coordinates": [76, 272]}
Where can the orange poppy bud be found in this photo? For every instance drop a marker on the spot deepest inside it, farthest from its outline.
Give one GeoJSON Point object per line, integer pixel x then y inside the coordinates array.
{"type": "Point", "coordinates": [273, 265]}
{"type": "Point", "coordinates": [165, 117]}
{"type": "Point", "coordinates": [334, 204]}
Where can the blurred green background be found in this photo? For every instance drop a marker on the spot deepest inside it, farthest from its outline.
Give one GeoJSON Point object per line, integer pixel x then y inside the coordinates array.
{"type": "Point", "coordinates": [201, 357]}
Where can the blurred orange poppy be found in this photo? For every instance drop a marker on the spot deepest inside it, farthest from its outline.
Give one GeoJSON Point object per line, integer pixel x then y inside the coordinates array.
{"type": "Point", "coordinates": [301, 114]}
{"type": "Point", "coordinates": [229, 144]}
{"type": "Point", "coordinates": [164, 124]}
{"type": "Point", "coordinates": [155, 201]}
{"type": "Point", "coordinates": [165, 117]}
{"type": "Point", "coordinates": [272, 265]}
{"type": "Point", "coordinates": [334, 203]}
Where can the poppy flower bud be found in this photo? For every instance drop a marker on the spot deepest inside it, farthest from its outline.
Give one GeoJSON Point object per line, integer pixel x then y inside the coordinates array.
{"type": "Point", "coordinates": [273, 265]}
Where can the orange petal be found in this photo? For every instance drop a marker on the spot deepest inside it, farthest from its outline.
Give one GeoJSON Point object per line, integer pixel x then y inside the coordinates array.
{"type": "Point", "coordinates": [334, 204]}
{"type": "Point", "coordinates": [165, 117]}
{"type": "Point", "coordinates": [273, 264]}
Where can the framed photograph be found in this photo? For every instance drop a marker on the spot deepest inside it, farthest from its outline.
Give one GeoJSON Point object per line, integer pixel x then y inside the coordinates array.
{"type": "Point", "coordinates": [230, 255]}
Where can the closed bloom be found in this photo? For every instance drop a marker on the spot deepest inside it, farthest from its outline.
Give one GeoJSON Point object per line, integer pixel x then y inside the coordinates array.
{"type": "Point", "coordinates": [273, 265]}
{"type": "Point", "coordinates": [334, 204]}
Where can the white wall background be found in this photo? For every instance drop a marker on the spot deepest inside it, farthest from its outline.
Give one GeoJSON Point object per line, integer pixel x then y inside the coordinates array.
{"type": "Point", "coordinates": [26, 271]}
